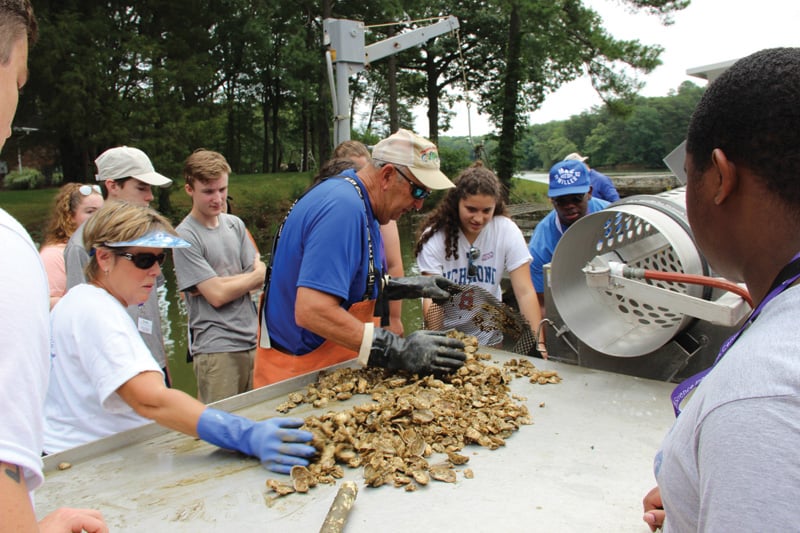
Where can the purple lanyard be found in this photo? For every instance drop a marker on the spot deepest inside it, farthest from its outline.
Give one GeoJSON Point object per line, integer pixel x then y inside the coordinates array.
{"type": "Point", "coordinates": [788, 275]}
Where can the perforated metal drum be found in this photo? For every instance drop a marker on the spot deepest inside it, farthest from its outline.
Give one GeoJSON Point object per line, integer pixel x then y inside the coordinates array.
{"type": "Point", "coordinates": [649, 232]}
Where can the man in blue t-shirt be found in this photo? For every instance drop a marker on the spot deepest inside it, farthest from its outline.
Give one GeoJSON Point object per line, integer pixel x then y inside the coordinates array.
{"type": "Point", "coordinates": [326, 272]}
{"type": "Point", "coordinates": [602, 186]}
{"type": "Point", "coordinates": [570, 192]}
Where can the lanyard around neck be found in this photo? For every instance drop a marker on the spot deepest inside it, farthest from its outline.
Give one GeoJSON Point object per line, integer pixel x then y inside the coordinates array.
{"type": "Point", "coordinates": [788, 275]}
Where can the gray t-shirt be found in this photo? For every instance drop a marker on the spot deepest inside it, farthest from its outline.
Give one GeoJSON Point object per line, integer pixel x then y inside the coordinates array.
{"type": "Point", "coordinates": [147, 316]}
{"type": "Point", "coordinates": [222, 251]}
{"type": "Point", "coordinates": [730, 461]}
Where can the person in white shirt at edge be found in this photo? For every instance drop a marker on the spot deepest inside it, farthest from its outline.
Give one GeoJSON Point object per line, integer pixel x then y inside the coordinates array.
{"type": "Point", "coordinates": [103, 378]}
{"type": "Point", "coordinates": [24, 327]}
{"type": "Point", "coordinates": [469, 239]}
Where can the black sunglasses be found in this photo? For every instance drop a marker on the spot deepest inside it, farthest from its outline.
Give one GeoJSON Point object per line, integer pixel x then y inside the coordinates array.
{"type": "Point", "coordinates": [144, 260]}
{"type": "Point", "coordinates": [417, 192]}
{"type": "Point", "coordinates": [472, 255]}
{"type": "Point", "coordinates": [569, 199]}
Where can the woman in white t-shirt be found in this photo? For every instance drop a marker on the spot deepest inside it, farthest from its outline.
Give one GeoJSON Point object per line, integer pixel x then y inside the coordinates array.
{"type": "Point", "coordinates": [104, 380]}
{"type": "Point", "coordinates": [469, 239]}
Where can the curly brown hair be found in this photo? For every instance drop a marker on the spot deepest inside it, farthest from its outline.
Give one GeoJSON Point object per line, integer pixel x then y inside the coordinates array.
{"type": "Point", "coordinates": [62, 225]}
{"type": "Point", "coordinates": [475, 179]}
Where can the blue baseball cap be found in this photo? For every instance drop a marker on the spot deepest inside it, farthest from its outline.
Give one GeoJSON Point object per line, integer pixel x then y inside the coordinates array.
{"type": "Point", "coordinates": [568, 177]}
{"type": "Point", "coordinates": [154, 239]}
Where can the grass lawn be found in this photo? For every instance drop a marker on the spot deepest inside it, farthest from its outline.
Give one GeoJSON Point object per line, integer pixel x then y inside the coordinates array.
{"type": "Point", "coordinates": [256, 197]}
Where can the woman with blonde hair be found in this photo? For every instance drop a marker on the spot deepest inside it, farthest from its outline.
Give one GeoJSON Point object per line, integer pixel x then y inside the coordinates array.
{"type": "Point", "coordinates": [73, 205]}
{"type": "Point", "coordinates": [103, 379]}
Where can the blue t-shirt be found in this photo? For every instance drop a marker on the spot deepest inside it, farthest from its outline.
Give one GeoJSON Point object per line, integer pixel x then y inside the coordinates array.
{"type": "Point", "coordinates": [545, 238]}
{"type": "Point", "coordinates": [602, 187]}
{"type": "Point", "coordinates": [323, 246]}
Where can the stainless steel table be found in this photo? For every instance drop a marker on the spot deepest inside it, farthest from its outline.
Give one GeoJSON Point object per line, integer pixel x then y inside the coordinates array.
{"type": "Point", "coordinates": [584, 465]}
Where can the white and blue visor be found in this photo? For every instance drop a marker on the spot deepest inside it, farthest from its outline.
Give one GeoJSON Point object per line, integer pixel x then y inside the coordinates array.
{"type": "Point", "coordinates": [155, 239]}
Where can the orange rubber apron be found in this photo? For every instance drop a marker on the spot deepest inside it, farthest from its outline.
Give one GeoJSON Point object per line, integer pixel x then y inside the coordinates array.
{"type": "Point", "coordinates": [272, 365]}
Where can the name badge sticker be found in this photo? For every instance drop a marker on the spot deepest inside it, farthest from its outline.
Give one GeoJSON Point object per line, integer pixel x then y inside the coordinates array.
{"type": "Point", "coordinates": [145, 326]}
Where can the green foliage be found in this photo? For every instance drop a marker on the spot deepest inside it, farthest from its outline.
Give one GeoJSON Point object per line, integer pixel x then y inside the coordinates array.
{"type": "Point", "coordinates": [454, 160]}
{"type": "Point", "coordinates": [526, 191]}
{"type": "Point", "coordinates": [27, 178]}
{"type": "Point", "coordinates": [640, 138]}
{"type": "Point", "coordinates": [248, 78]}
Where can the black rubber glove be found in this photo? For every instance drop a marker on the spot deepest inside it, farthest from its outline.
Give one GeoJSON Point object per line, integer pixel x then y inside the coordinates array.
{"type": "Point", "coordinates": [437, 288]}
{"type": "Point", "coordinates": [422, 352]}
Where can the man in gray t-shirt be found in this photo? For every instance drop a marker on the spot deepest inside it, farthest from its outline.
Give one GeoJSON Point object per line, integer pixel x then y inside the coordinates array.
{"type": "Point", "coordinates": [128, 176]}
{"type": "Point", "coordinates": [217, 274]}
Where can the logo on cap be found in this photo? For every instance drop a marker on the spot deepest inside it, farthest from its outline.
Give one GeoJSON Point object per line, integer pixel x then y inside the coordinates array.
{"type": "Point", "coordinates": [429, 155]}
{"type": "Point", "coordinates": [568, 176]}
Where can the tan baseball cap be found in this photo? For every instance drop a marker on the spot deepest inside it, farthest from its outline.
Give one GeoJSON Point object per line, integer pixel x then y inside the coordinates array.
{"type": "Point", "coordinates": [408, 149]}
{"type": "Point", "coordinates": [127, 162]}
{"type": "Point", "coordinates": [575, 156]}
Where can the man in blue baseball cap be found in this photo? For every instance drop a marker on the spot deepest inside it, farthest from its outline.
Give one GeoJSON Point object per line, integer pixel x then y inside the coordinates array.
{"type": "Point", "coordinates": [570, 192]}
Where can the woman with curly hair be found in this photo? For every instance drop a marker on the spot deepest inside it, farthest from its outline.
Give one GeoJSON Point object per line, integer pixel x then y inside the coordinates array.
{"type": "Point", "coordinates": [73, 205]}
{"type": "Point", "coordinates": [469, 239]}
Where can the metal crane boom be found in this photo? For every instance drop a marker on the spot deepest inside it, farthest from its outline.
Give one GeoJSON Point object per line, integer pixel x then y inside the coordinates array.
{"type": "Point", "coordinates": [349, 55]}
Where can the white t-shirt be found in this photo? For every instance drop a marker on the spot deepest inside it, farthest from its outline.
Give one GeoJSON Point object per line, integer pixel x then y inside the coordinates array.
{"type": "Point", "coordinates": [730, 461]}
{"type": "Point", "coordinates": [96, 348]}
{"type": "Point", "coordinates": [502, 249]}
{"type": "Point", "coordinates": [24, 338]}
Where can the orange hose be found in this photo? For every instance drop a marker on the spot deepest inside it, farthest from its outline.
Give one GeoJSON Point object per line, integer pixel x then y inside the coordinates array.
{"type": "Point", "coordinates": [700, 280]}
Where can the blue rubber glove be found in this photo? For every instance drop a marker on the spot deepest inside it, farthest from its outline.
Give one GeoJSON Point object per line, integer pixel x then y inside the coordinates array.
{"type": "Point", "coordinates": [276, 442]}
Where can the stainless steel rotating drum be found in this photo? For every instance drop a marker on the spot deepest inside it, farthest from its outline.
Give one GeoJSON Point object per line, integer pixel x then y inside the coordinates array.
{"type": "Point", "coordinates": [649, 232]}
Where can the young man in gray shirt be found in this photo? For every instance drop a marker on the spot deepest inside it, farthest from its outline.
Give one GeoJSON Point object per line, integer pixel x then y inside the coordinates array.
{"type": "Point", "coordinates": [217, 274]}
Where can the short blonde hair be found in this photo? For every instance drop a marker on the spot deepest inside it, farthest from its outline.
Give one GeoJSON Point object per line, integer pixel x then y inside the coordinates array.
{"type": "Point", "coordinates": [119, 222]}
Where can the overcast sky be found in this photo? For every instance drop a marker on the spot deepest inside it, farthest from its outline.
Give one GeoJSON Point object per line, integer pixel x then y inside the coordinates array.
{"type": "Point", "coordinates": [706, 32]}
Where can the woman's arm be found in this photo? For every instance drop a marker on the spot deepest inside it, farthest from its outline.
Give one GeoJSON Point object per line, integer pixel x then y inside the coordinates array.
{"type": "Point", "coordinates": [276, 442]}
{"type": "Point", "coordinates": [394, 264]}
{"type": "Point", "coordinates": [172, 408]}
{"type": "Point", "coordinates": [527, 301]}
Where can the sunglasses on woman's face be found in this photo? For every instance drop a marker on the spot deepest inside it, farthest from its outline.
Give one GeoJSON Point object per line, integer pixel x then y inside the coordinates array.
{"type": "Point", "coordinates": [143, 260]}
{"type": "Point", "coordinates": [86, 190]}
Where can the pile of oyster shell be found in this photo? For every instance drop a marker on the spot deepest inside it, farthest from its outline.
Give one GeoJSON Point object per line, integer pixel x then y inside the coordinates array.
{"type": "Point", "coordinates": [408, 420]}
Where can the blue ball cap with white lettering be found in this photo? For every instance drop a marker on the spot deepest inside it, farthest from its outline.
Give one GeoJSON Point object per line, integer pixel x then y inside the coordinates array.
{"type": "Point", "coordinates": [568, 177]}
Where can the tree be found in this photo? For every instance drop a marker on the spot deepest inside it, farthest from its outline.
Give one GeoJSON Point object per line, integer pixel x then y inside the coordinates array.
{"type": "Point", "coordinates": [550, 43]}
